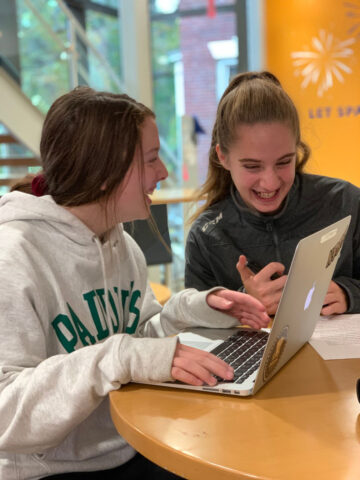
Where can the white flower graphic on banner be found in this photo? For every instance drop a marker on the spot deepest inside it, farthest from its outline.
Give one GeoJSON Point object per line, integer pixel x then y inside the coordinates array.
{"type": "Point", "coordinates": [324, 63]}
{"type": "Point", "coordinates": [353, 13]}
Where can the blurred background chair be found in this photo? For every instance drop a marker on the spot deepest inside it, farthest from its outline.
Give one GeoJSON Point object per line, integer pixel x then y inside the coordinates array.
{"type": "Point", "coordinates": [156, 253]}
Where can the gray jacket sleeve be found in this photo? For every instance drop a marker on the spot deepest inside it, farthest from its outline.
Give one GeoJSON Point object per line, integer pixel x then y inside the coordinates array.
{"type": "Point", "coordinates": [352, 289]}
{"type": "Point", "coordinates": [351, 249]}
{"type": "Point", "coordinates": [351, 285]}
{"type": "Point", "coordinates": [198, 274]}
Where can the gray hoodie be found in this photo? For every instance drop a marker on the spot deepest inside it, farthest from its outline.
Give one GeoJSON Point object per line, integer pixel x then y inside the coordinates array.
{"type": "Point", "coordinates": [71, 311]}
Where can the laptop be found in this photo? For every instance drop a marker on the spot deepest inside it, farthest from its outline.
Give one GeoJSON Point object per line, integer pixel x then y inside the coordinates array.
{"type": "Point", "coordinates": [257, 355]}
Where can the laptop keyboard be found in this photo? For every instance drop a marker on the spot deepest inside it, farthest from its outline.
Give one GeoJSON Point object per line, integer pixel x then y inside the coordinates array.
{"type": "Point", "coordinates": [243, 351]}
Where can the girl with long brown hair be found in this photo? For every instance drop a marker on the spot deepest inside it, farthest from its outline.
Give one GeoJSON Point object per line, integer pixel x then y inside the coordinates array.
{"type": "Point", "coordinates": [259, 203]}
{"type": "Point", "coordinates": [75, 299]}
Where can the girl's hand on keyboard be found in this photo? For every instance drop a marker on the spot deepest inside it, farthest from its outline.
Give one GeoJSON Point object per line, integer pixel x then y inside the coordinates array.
{"type": "Point", "coordinates": [196, 367]}
{"type": "Point", "coordinates": [246, 309]}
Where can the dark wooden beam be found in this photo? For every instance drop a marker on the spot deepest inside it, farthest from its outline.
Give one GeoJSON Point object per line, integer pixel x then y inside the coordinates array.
{"type": "Point", "coordinates": [7, 138]}
{"type": "Point", "coordinates": [19, 162]}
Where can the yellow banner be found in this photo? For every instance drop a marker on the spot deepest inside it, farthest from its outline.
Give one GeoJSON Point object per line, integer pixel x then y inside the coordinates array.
{"type": "Point", "coordinates": [313, 47]}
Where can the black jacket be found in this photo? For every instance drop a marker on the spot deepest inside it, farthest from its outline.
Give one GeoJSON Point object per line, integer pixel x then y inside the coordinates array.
{"type": "Point", "coordinates": [229, 228]}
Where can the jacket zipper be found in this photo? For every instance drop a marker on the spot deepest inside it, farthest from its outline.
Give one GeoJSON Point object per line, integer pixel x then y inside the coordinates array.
{"type": "Point", "coordinates": [270, 228]}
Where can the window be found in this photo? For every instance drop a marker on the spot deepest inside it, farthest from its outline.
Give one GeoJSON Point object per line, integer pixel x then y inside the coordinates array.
{"type": "Point", "coordinates": [187, 80]}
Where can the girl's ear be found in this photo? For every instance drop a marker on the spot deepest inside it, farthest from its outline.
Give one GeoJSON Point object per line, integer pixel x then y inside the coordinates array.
{"type": "Point", "coordinates": [103, 187]}
{"type": "Point", "coordinates": [222, 157]}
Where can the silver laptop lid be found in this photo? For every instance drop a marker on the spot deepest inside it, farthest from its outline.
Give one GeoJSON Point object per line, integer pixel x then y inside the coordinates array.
{"type": "Point", "coordinates": [300, 305]}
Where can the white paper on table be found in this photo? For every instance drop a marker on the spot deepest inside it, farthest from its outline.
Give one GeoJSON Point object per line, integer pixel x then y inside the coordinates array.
{"type": "Point", "coordinates": [337, 336]}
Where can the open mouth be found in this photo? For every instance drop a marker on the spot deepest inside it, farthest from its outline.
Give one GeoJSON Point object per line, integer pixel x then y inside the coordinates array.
{"type": "Point", "coordinates": [267, 196]}
{"type": "Point", "coordinates": [148, 194]}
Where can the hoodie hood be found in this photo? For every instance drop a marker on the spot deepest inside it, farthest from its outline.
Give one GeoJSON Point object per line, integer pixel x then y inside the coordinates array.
{"type": "Point", "coordinates": [19, 206]}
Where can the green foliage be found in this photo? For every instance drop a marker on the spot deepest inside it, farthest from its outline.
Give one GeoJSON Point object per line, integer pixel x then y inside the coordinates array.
{"type": "Point", "coordinates": [48, 60]}
{"type": "Point", "coordinates": [103, 33]}
{"type": "Point", "coordinates": [43, 61]}
{"type": "Point", "coordinates": [165, 48]}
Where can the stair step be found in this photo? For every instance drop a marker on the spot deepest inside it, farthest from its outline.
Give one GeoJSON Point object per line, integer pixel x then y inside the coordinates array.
{"type": "Point", "coordinates": [7, 138]}
{"type": "Point", "coordinates": [7, 181]}
{"type": "Point", "coordinates": [20, 162]}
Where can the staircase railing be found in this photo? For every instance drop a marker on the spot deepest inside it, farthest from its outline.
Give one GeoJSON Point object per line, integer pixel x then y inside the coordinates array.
{"type": "Point", "coordinates": [76, 33]}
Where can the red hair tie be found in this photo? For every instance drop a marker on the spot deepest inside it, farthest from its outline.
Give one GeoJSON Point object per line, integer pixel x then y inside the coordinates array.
{"type": "Point", "coordinates": [38, 185]}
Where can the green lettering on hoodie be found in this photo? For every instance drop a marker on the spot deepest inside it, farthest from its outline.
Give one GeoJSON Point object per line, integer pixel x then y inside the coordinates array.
{"type": "Point", "coordinates": [83, 332]}
{"type": "Point", "coordinates": [100, 294]}
{"type": "Point", "coordinates": [124, 295]}
{"type": "Point", "coordinates": [133, 309]}
{"type": "Point", "coordinates": [103, 332]}
{"type": "Point", "coordinates": [70, 330]}
{"type": "Point", "coordinates": [114, 309]}
{"type": "Point", "coordinates": [64, 321]}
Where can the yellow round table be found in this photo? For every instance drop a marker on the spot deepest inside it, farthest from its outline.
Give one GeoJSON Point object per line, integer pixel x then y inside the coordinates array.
{"type": "Point", "coordinates": [303, 425]}
{"type": "Point", "coordinates": [161, 292]}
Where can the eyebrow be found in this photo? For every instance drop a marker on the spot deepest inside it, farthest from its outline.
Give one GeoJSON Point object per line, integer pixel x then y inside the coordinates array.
{"type": "Point", "coordinates": [243, 160]}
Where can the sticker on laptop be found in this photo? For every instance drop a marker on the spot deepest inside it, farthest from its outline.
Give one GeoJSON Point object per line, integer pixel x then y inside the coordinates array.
{"type": "Point", "coordinates": [275, 353]}
{"type": "Point", "coordinates": [335, 251]}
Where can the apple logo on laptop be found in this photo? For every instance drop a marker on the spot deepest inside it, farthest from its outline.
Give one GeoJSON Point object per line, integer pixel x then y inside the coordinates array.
{"type": "Point", "coordinates": [309, 297]}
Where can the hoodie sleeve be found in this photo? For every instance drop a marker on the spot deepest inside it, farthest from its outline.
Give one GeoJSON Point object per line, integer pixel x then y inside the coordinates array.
{"type": "Point", "coordinates": [43, 399]}
{"type": "Point", "coordinates": [185, 309]}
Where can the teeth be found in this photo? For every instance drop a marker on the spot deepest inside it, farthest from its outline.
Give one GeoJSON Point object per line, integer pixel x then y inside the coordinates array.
{"type": "Point", "coordinates": [265, 194]}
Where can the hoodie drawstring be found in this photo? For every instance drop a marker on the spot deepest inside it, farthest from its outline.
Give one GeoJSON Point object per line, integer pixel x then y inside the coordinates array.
{"type": "Point", "coordinates": [106, 289]}
{"type": "Point", "coordinates": [120, 249]}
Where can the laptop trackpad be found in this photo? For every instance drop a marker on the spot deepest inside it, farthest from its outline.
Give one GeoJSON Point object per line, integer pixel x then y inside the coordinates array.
{"type": "Point", "coordinates": [198, 341]}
